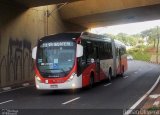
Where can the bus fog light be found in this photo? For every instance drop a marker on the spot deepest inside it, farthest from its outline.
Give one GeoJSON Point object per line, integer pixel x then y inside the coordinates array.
{"type": "Point", "coordinates": [37, 86]}
{"type": "Point", "coordinates": [73, 85]}
{"type": "Point", "coordinates": [46, 81]}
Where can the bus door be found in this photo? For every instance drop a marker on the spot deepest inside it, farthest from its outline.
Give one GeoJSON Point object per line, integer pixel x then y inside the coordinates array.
{"type": "Point", "coordinates": [97, 62]}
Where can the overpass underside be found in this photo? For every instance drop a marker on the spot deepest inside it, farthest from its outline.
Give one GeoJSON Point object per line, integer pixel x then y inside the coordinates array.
{"type": "Point", "coordinates": [130, 15]}
{"type": "Point", "coordinates": [23, 22]}
{"type": "Point", "coordinates": [93, 13]}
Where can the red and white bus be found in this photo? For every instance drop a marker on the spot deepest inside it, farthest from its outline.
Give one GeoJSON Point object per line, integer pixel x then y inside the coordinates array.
{"type": "Point", "coordinates": [76, 60]}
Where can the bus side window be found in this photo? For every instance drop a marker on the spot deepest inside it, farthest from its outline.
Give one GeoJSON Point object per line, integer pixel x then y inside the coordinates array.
{"type": "Point", "coordinates": [101, 51]}
{"type": "Point", "coordinates": [110, 50]}
{"type": "Point", "coordinates": [89, 52]}
{"type": "Point", "coordinates": [84, 57]}
{"type": "Point", "coordinates": [117, 52]}
{"type": "Point", "coordinates": [122, 51]}
{"type": "Point", "coordinates": [81, 64]}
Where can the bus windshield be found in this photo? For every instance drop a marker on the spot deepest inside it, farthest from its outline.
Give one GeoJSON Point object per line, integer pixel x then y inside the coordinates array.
{"type": "Point", "coordinates": [56, 59]}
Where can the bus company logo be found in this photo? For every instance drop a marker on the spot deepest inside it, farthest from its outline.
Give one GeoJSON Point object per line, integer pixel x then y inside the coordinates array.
{"type": "Point", "coordinates": [54, 80]}
{"type": "Point", "coordinates": [59, 81]}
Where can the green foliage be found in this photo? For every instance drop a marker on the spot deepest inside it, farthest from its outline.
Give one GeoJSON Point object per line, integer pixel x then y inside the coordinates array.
{"type": "Point", "coordinates": [140, 53]}
{"type": "Point", "coordinates": [152, 34]}
{"type": "Point", "coordinates": [149, 36]}
{"type": "Point", "coordinates": [126, 39]}
{"type": "Point", "coordinates": [154, 108]}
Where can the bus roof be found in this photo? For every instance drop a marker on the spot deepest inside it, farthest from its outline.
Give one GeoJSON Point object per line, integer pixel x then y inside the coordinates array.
{"type": "Point", "coordinates": [84, 35]}
{"type": "Point", "coordinates": [119, 44]}
{"type": "Point", "coordinates": [95, 37]}
{"type": "Point", "coordinates": [62, 36]}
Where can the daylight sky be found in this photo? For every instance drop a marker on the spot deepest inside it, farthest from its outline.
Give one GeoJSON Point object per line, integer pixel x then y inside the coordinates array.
{"type": "Point", "coordinates": [132, 28]}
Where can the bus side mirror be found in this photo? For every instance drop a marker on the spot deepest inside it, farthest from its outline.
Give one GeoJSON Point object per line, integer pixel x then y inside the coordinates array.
{"type": "Point", "coordinates": [79, 50]}
{"type": "Point", "coordinates": [34, 52]}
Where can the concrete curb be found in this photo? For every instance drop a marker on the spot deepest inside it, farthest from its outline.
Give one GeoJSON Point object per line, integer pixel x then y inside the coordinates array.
{"type": "Point", "coordinates": [143, 98]}
{"type": "Point", "coordinates": [147, 62]}
{"type": "Point", "coordinates": [153, 62]}
{"type": "Point", "coordinates": [17, 86]}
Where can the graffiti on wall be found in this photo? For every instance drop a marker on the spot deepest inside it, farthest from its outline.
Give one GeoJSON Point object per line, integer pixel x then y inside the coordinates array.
{"type": "Point", "coordinates": [17, 64]}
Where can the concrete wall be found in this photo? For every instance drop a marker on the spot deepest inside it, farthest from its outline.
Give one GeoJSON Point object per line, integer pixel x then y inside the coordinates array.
{"type": "Point", "coordinates": [19, 30]}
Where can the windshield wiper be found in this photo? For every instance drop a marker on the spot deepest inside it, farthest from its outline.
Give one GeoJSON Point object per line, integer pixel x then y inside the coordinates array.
{"type": "Point", "coordinates": [60, 69]}
{"type": "Point", "coordinates": [46, 74]}
{"type": "Point", "coordinates": [63, 71]}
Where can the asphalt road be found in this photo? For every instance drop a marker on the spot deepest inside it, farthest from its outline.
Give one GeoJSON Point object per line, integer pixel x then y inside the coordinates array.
{"type": "Point", "coordinates": [105, 98]}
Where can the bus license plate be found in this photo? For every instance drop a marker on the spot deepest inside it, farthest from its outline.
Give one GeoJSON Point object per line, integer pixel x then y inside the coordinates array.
{"type": "Point", "coordinates": [54, 86]}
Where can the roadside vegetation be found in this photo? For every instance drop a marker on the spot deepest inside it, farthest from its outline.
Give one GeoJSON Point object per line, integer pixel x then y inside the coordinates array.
{"type": "Point", "coordinates": [142, 46]}
{"type": "Point", "coordinates": [140, 53]}
{"type": "Point", "coordinates": [154, 108]}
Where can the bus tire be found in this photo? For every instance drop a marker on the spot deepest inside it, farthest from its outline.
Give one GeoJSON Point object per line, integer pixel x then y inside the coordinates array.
{"type": "Point", "coordinates": [91, 81]}
{"type": "Point", "coordinates": [110, 75]}
{"type": "Point", "coordinates": [122, 73]}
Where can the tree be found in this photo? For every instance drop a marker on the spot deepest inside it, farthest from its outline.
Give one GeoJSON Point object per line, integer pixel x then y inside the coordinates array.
{"type": "Point", "coordinates": [151, 34]}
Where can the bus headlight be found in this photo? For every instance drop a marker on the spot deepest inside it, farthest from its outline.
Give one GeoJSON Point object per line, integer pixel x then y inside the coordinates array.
{"type": "Point", "coordinates": [71, 77]}
{"type": "Point", "coordinates": [38, 79]}
{"type": "Point", "coordinates": [73, 85]}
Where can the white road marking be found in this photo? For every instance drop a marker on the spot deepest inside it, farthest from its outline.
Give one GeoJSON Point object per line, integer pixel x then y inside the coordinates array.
{"type": "Point", "coordinates": [156, 103]}
{"type": "Point", "coordinates": [107, 84]}
{"type": "Point", "coordinates": [5, 102]}
{"type": "Point", "coordinates": [135, 72]}
{"type": "Point", "coordinates": [154, 96]}
{"type": "Point", "coordinates": [142, 98]}
{"type": "Point", "coordinates": [25, 84]}
{"type": "Point", "coordinates": [70, 101]}
{"type": "Point", "coordinates": [15, 89]}
{"type": "Point", "coordinates": [6, 88]}
{"type": "Point", "coordinates": [125, 77]}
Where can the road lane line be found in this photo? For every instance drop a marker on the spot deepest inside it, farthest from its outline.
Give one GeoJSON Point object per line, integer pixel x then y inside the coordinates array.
{"type": "Point", "coordinates": [25, 84]}
{"type": "Point", "coordinates": [142, 98]}
{"type": "Point", "coordinates": [125, 77]}
{"type": "Point", "coordinates": [6, 88]}
{"type": "Point", "coordinates": [107, 84]}
{"type": "Point", "coordinates": [16, 89]}
{"type": "Point", "coordinates": [5, 102]}
{"type": "Point", "coordinates": [70, 101]}
{"type": "Point", "coordinates": [135, 72]}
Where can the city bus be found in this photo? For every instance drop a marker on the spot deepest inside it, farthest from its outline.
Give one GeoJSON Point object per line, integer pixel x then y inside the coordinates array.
{"type": "Point", "coordinates": [77, 60]}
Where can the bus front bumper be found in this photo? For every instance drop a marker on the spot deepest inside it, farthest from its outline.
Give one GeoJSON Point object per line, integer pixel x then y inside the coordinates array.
{"type": "Point", "coordinates": [75, 83]}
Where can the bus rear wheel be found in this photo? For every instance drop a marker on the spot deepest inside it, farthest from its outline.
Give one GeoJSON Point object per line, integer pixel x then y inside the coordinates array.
{"type": "Point", "coordinates": [110, 75]}
{"type": "Point", "coordinates": [122, 73]}
{"type": "Point", "coordinates": [91, 81]}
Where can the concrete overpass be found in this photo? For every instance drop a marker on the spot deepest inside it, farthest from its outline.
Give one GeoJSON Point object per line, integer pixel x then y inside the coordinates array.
{"type": "Point", "coordinates": [36, 3]}
{"type": "Point", "coordinates": [22, 22]}
{"type": "Point", "coordinates": [93, 13]}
